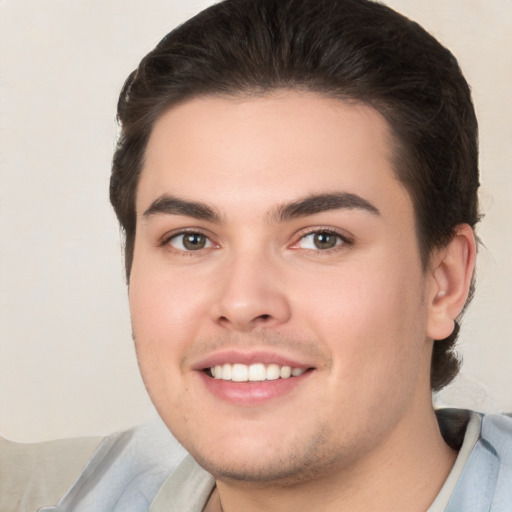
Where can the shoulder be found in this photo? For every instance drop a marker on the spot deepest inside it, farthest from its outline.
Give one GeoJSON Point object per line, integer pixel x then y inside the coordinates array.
{"type": "Point", "coordinates": [486, 481]}
{"type": "Point", "coordinates": [496, 437]}
{"type": "Point", "coordinates": [497, 429]}
{"type": "Point", "coordinates": [125, 472]}
{"type": "Point", "coordinates": [38, 473]}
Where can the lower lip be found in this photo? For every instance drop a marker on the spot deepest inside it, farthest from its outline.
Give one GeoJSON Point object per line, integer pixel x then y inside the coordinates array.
{"type": "Point", "coordinates": [251, 393]}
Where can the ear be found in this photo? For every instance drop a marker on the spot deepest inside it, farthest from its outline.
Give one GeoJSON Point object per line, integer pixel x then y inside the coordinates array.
{"type": "Point", "coordinates": [450, 275]}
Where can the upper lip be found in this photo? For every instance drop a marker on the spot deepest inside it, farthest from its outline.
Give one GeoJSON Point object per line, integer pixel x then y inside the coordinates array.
{"type": "Point", "coordinates": [248, 357]}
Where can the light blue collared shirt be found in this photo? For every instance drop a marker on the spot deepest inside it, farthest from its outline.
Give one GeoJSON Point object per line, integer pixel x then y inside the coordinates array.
{"type": "Point", "coordinates": [145, 469]}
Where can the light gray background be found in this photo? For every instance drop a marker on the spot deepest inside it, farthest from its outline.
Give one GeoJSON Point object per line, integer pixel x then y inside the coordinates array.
{"type": "Point", "coordinates": [67, 365]}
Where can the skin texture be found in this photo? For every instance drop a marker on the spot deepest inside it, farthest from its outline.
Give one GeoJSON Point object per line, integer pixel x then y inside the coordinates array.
{"type": "Point", "coordinates": [358, 428]}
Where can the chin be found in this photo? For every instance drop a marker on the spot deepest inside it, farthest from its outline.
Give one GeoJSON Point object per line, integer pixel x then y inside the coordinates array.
{"type": "Point", "coordinates": [259, 461]}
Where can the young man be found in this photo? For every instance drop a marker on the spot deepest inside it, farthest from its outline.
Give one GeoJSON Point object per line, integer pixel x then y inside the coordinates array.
{"type": "Point", "coordinates": [297, 182]}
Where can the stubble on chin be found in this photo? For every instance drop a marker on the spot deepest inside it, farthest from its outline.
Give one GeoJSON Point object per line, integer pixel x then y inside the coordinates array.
{"type": "Point", "coordinates": [315, 457]}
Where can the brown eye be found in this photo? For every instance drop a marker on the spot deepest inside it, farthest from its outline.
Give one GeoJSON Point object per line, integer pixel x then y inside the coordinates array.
{"type": "Point", "coordinates": [325, 240]}
{"type": "Point", "coordinates": [320, 240]}
{"type": "Point", "coordinates": [190, 241]}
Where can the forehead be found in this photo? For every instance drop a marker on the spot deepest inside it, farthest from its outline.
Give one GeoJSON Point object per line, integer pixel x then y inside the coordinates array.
{"type": "Point", "coordinates": [251, 153]}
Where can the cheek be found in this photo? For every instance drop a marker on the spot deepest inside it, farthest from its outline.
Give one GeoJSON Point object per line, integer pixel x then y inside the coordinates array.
{"type": "Point", "coordinates": [357, 300]}
{"type": "Point", "coordinates": [164, 305]}
{"type": "Point", "coordinates": [369, 323]}
{"type": "Point", "coordinates": [162, 326]}
{"type": "Point", "coordinates": [165, 316]}
{"type": "Point", "coordinates": [369, 318]}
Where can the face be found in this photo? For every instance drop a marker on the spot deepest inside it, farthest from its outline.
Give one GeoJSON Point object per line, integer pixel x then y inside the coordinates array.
{"type": "Point", "coordinates": [277, 293]}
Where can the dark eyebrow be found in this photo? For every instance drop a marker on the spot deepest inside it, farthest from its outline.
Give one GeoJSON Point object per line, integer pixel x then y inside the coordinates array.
{"type": "Point", "coordinates": [171, 205]}
{"type": "Point", "coordinates": [318, 203]}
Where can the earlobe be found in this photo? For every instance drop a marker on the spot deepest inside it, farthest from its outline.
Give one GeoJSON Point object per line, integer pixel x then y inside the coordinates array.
{"type": "Point", "coordinates": [451, 275]}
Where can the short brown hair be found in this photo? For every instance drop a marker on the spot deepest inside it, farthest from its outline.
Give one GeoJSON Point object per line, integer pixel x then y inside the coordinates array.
{"type": "Point", "coordinates": [349, 49]}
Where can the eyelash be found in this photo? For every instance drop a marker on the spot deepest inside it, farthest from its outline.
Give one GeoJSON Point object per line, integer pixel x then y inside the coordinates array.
{"type": "Point", "coordinates": [342, 240]}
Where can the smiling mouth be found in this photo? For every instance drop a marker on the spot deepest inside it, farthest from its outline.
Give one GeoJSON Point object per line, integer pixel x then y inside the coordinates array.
{"type": "Point", "coordinates": [257, 372]}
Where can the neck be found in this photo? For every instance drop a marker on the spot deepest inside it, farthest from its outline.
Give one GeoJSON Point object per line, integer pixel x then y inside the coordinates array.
{"type": "Point", "coordinates": [404, 473]}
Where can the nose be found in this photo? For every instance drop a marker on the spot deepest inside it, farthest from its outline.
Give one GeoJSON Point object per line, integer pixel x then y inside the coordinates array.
{"type": "Point", "coordinates": [251, 294]}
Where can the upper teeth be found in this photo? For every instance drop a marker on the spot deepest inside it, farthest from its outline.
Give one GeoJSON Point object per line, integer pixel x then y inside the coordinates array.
{"type": "Point", "coordinates": [254, 372]}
